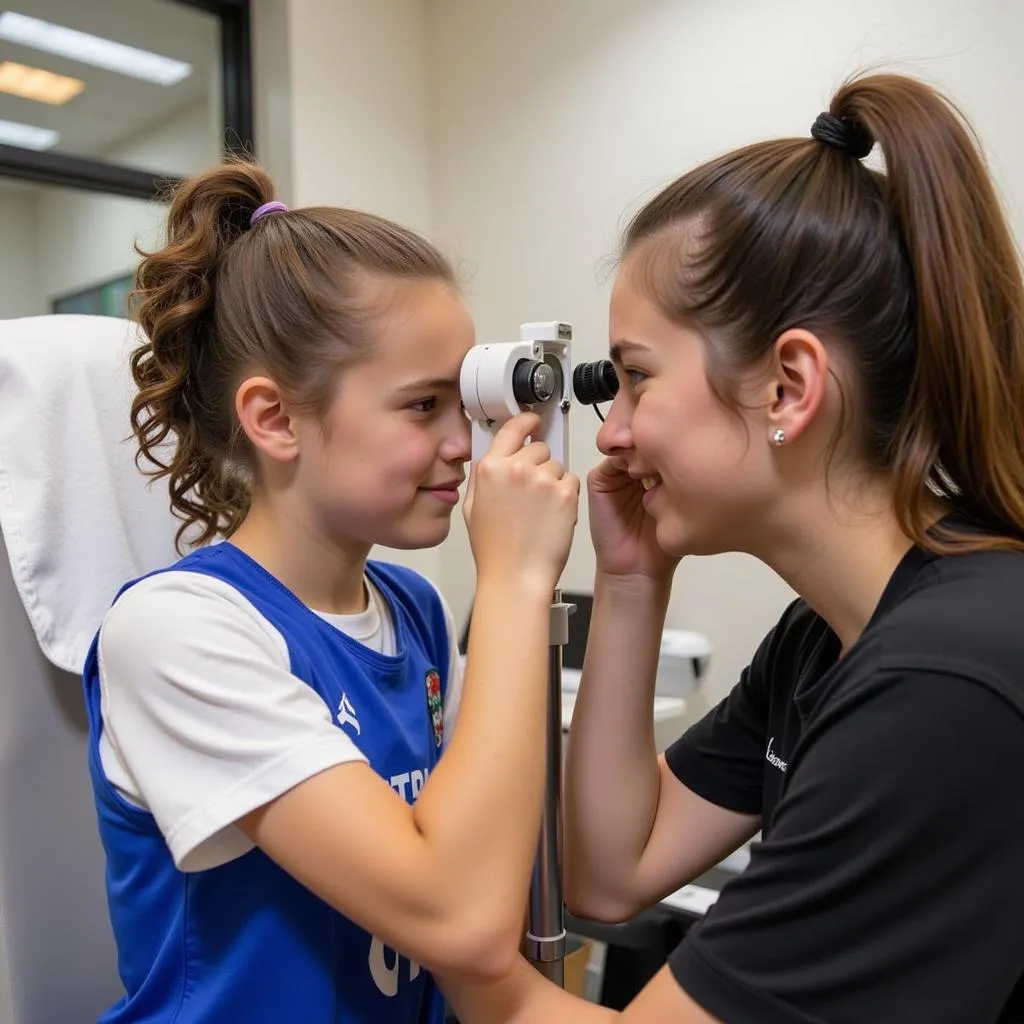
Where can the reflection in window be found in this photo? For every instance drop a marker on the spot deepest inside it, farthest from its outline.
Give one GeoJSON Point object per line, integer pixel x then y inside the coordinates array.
{"type": "Point", "coordinates": [130, 82]}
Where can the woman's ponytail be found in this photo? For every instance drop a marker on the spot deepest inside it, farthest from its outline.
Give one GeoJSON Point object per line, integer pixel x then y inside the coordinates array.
{"type": "Point", "coordinates": [962, 430]}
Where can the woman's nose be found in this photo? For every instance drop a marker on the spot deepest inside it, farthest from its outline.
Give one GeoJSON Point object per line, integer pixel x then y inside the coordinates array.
{"type": "Point", "coordinates": [616, 435]}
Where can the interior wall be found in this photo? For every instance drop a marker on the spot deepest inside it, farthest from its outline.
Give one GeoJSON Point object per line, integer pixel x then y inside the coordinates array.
{"type": "Point", "coordinates": [272, 92]}
{"type": "Point", "coordinates": [19, 292]}
{"type": "Point", "coordinates": [341, 108]}
{"type": "Point", "coordinates": [358, 102]}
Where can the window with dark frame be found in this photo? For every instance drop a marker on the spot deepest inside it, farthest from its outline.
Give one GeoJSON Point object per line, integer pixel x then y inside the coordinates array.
{"type": "Point", "coordinates": [72, 171]}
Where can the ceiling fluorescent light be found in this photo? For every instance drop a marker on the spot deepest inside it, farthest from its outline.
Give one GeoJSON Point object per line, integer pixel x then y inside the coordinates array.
{"type": "Point", "coordinates": [37, 84]}
{"type": "Point", "coordinates": [101, 53]}
{"type": "Point", "coordinates": [27, 136]}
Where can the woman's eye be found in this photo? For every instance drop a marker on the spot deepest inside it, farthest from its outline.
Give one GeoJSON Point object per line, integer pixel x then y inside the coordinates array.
{"type": "Point", "coordinates": [424, 405]}
{"type": "Point", "coordinates": [635, 377]}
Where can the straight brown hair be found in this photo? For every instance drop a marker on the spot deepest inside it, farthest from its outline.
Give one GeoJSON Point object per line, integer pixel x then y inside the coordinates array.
{"type": "Point", "coordinates": [912, 271]}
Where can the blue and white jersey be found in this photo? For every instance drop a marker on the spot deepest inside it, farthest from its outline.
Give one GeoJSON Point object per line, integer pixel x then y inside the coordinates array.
{"type": "Point", "coordinates": [208, 928]}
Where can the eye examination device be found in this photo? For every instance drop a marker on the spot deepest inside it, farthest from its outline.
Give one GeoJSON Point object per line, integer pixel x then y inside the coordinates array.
{"type": "Point", "coordinates": [496, 383]}
{"type": "Point", "coordinates": [595, 382]}
{"type": "Point", "coordinates": [499, 381]}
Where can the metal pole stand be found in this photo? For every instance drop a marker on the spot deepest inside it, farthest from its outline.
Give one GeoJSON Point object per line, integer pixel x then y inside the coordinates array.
{"type": "Point", "coordinates": [545, 936]}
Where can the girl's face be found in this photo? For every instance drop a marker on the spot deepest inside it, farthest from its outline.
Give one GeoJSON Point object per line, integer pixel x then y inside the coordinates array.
{"type": "Point", "coordinates": [385, 465]}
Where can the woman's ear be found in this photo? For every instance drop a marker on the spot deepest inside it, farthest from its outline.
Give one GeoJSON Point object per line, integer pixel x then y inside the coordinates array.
{"type": "Point", "coordinates": [798, 379]}
{"type": "Point", "coordinates": [264, 417]}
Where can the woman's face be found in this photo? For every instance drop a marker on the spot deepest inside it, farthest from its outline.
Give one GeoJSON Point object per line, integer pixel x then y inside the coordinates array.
{"type": "Point", "coordinates": [708, 469]}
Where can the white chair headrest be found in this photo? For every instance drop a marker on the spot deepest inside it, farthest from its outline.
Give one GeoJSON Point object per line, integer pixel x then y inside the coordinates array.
{"type": "Point", "coordinates": [78, 517]}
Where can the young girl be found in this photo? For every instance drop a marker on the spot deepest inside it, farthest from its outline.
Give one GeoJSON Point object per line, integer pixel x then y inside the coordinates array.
{"type": "Point", "coordinates": [821, 365]}
{"type": "Point", "coordinates": [284, 841]}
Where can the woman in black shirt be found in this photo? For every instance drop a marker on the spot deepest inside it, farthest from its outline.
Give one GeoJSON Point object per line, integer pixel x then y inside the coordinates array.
{"type": "Point", "coordinates": [822, 365]}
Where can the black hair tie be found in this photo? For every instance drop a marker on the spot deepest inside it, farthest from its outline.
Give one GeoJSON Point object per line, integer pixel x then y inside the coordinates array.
{"type": "Point", "coordinates": [847, 136]}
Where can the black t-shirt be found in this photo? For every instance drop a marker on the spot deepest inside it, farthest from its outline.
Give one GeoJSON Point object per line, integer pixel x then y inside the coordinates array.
{"type": "Point", "coordinates": [889, 882]}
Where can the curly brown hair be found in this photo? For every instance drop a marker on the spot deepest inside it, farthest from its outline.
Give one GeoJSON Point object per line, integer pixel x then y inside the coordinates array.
{"type": "Point", "coordinates": [221, 298]}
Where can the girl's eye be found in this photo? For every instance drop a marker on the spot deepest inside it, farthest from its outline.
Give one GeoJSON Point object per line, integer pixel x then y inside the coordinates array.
{"type": "Point", "coordinates": [635, 377]}
{"type": "Point", "coordinates": [424, 405]}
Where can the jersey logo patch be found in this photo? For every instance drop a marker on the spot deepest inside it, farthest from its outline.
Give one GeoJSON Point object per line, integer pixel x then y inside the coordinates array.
{"type": "Point", "coordinates": [347, 714]}
{"type": "Point", "coordinates": [435, 704]}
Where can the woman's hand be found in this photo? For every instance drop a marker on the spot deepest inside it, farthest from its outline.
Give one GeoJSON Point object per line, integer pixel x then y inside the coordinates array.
{"type": "Point", "coordinates": [623, 534]}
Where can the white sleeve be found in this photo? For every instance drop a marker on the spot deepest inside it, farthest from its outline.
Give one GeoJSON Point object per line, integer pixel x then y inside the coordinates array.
{"type": "Point", "coordinates": [453, 689]}
{"type": "Point", "coordinates": [201, 709]}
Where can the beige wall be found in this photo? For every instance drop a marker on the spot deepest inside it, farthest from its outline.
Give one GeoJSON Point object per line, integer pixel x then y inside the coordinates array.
{"type": "Point", "coordinates": [19, 290]}
{"type": "Point", "coordinates": [342, 116]}
{"type": "Point", "coordinates": [522, 133]}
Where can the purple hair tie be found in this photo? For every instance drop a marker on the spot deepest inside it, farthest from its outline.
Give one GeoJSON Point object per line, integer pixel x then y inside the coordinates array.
{"type": "Point", "coordinates": [272, 207]}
